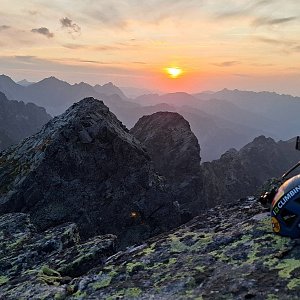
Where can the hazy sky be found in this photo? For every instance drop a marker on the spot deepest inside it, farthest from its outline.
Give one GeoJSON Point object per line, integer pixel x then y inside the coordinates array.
{"type": "Point", "coordinates": [245, 44]}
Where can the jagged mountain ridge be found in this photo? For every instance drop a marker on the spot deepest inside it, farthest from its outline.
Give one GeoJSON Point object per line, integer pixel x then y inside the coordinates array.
{"type": "Point", "coordinates": [216, 129]}
{"type": "Point", "coordinates": [57, 95]}
{"type": "Point", "coordinates": [19, 120]}
{"type": "Point", "coordinates": [241, 173]}
{"type": "Point", "coordinates": [85, 167]}
{"type": "Point", "coordinates": [268, 105]}
{"type": "Point", "coordinates": [248, 115]}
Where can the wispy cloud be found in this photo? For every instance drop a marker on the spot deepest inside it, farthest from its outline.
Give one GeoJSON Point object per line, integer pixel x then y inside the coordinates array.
{"type": "Point", "coordinates": [4, 27]}
{"type": "Point", "coordinates": [267, 40]}
{"type": "Point", "coordinates": [272, 21]}
{"type": "Point", "coordinates": [72, 27]}
{"type": "Point", "coordinates": [109, 15]}
{"type": "Point", "coordinates": [43, 31]}
{"type": "Point", "coordinates": [106, 48]}
{"type": "Point", "coordinates": [276, 42]}
{"type": "Point", "coordinates": [32, 12]}
{"type": "Point", "coordinates": [74, 46]}
{"type": "Point", "coordinates": [296, 48]}
{"type": "Point", "coordinates": [288, 46]}
{"type": "Point", "coordinates": [227, 63]}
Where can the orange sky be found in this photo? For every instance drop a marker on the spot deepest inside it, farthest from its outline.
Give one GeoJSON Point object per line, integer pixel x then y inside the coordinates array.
{"type": "Point", "coordinates": [218, 43]}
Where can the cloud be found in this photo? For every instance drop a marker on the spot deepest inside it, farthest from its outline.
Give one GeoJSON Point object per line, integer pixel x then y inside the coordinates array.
{"type": "Point", "coordinates": [251, 9]}
{"type": "Point", "coordinates": [227, 63]}
{"type": "Point", "coordinates": [44, 31]}
{"type": "Point", "coordinates": [288, 46]}
{"type": "Point", "coordinates": [120, 15]}
{"type": "Point", "coordinates": [272, 21]}
{"type": "Point", "coordinates": [106, 48]}
{"type": "Point", "coordinates": [296, 48]}
{"type": "Point", "coordinates": [269, 41]}
{"type": "Point", "coordinates": [276, 42]}
{"type": "Point", "coordinates": [32, 12]}
{"type": "Point", "coordinates": [72, 27]}
{"type": "Point", "coordinates": [4, 27]}
{"type": "Point", "coordinates": [109, 15]}
{"type": "Point", "coordinates": [74, 46]}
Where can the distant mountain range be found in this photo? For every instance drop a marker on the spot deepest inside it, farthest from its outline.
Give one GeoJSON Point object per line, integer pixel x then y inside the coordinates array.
{"type": "Point", "coordinates": [233, 118]}
{"type": "Point", "coordinates": [56, 95]}
{"type": "Point", "coordinates": [134, 92]}
{"type": "Point", "coordinates": [220, 120]}
{"type": "Point", "coordinates": [25, 82]}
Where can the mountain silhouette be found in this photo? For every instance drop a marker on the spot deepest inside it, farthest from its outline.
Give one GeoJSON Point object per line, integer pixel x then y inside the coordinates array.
{"type": "Point", "coordinates": [19, 120]}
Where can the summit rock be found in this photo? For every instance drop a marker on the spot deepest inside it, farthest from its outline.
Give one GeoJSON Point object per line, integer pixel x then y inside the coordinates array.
{"type": "Point", "coordinates": [175, 151]}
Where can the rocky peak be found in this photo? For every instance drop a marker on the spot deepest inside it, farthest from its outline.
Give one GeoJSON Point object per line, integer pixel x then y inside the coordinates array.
{"type": "Point", "coordinates": [85, 167]}
{"type": "Point", "coordinates": [171, 144]}
{"type": "Point", "coordinates": [175, 151]}
{"type": "Point", "coordinates": [50, 82]}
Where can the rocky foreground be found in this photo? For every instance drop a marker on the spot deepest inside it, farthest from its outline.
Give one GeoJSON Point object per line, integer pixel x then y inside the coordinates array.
{"type": "Point", "coordinates": [225, 253]}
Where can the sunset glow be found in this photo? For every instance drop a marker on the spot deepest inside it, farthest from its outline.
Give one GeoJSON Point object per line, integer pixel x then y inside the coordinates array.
{"type": "Point", "coordinates": [174, 72]}
{"type": "Point", "coordinates": [236, 44]}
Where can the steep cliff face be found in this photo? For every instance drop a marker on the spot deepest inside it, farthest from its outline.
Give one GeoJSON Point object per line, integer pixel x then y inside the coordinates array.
{"type": "Point", "coordinates": [228, 252]}
{"type": "Point", "coordinates": [85, 167]}
{"type": "Point", "coordinates": [175, 151]}
{"type": "Point", "coordinates": [19, 120]}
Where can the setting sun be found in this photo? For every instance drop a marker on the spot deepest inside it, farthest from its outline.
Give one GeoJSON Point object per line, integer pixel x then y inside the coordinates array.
{"type": "Point", "coordinates": [174, 72]}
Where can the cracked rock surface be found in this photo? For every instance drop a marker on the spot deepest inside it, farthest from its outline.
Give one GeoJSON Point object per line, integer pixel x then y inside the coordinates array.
{"type": "Point", "coordinates": [228, 252]}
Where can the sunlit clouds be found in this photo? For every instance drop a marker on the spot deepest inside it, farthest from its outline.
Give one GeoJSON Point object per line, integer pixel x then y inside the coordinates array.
{"type": "Point", "coordinates": [249, 44]}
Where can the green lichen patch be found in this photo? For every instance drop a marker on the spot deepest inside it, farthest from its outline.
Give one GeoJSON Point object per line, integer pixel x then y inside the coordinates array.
{"type": "Point", "coordinates": [133, 267]}
{"type": "Point", "coordinates": [3, 280]}
{"type": "Point", "coordinates": [49, 276]}
{"type": "Point", "coordinates": [103, 282]}
{"type": "Point", "coordinates": [287, 266]}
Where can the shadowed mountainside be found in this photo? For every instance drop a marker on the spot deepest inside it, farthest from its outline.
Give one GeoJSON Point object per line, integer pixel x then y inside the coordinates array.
{"type": "Point", "coordinates": [85, 167]}
{"type": "Point", "coordinates": [235, 175]}
{"type": "Point", "coordinates": [19, 120]}
{"type": "Point", "coordinates": [175, 152]}
{"type": "Point", "coordinates": [241, 173]}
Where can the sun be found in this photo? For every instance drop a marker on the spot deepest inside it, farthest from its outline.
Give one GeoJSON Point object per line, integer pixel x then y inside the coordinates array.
{"type": "Point", "coordinates": [174, 72]}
